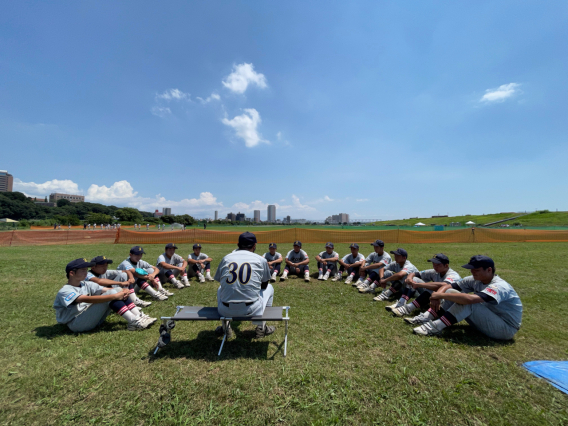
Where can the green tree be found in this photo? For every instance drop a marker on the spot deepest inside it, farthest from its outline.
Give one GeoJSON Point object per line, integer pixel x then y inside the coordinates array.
{"type": "Point", "coordinates": [128, 214]}
{"type": "Point", "coordinates": [99, 218]}
{"type": "Point", "coordinates": [63, 202]}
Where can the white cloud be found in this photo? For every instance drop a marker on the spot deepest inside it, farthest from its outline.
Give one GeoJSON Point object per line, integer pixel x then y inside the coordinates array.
{"type": "Point", "coordinates": [245, 126]}
{"type": "Point", "coordinates": [173, 94]}
{"type": "Point", "coordinates": [279, 136]}
{"type": "Point", "coordinates": [501, 93]}
{"type": "Point", "coordinates": [362, 199]}
{"type": "Point", "coordinates": [299, 206]}
{"type": "Point", "coordinates": [243, 75]}
{"type": "Point", "coordinates": [212, 97]}
{"type": "Point", "coordinates": [42, 189]}
{"type": "Point", "coordinates": [160, 111]}
{"type": "Point", "coordinates": [118, 191]}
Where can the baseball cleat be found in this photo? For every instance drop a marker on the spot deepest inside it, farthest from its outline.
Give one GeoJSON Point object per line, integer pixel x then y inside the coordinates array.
{"type": "Point", "coordinates": [185, 281]}
{"type": "Point", "coordinates": [383, 296]}
{"type": "Point", "coordinates": [358, 283]}
{"type": "Point", "coordinates": [148, 319]}
{"type": "Point", "coordinates": [177, 284]}
{"type": "Point", "coordinates": [349, 279]}
{"type": "Point", "coordinates": [138, 324]}
{"type": "Point", "coordinates": [230, 334]}
{"type": "Point", "coordinates": [417, 320]}
{"type": "Point", "coordinates": [391, 307]}
{"type": "Point", "coordinates": [209, 278]}
{"type": "Point", "coordinates": [401, 311]}
{"type": "Point", "coordinates": [264, 331]}
{"type": "Point", "coordinates": [337, 277]}
{"type": "Point", "coordinates": [320, 276]}
{"type": "Point", "coordinates": [273, 278]}
{"type": "Point", "coordinates": [307, 278]}
{"type": "Point", "coordinates": [142, 303]}
{"type": "Point", "coordinates": [201, 278]}
{"type": "Point", "coordinates": [367, 289]}
{"type": "Point", "coordinates": [159, 296]}
{"type": "Point", "coordinates": [326, 276]}
{"type": "Point", "coordinates": [427, 329]}
{"type": "Point", "coordinates": [165, 292]}
{"type": "Point", "coordinates": [283, 277]}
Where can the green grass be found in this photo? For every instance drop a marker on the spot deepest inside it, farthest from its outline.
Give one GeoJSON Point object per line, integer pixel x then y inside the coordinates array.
{"type": "Point", "coordinates": [349, 362]}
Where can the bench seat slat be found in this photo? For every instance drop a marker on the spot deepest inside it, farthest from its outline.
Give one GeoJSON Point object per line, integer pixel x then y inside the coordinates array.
{"type": "Point", "coordinates": [201, 313]}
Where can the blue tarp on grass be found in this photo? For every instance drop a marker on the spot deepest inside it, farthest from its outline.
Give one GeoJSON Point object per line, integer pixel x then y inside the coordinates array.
{"type": "Point", "coordinates": [555, 372]}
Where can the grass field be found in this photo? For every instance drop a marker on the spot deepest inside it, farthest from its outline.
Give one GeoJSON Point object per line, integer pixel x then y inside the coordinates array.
{"type": "Point", "coordinates": [349, 361]}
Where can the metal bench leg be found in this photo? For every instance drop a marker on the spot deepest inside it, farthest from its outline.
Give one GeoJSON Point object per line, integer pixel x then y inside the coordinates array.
{"type": "Point", "coordinates": [285, 338]}
{"type": "Point", "coordinates": [226, 325]}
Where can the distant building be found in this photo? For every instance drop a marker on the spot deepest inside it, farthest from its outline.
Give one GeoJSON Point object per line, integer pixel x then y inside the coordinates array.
{"type": "Point", "coordinates": [287, 219]}
{"type": "Point", "coordinates": [303, 221]}
{"type": "Point", "coordinates": [54, 197]}
{"type": "Point", "coordinates": [240, 217]}
{"type": "Point", "coordinates": [167, 211]}
{"type": "Point", "coordinates": [216, 215]}
{"type": "Point", "coordinates": [6, 181]}
{"type": "Point", "coordinates": [257, 216]}
{"type": "Point", "coordinates": [158, 214]}
{"type": "Point", "coordinates": [271, 213]}
{"type": "Point", "coordinates": [232, 217]}
{"type": "Point", "coordinates": [337, 219]}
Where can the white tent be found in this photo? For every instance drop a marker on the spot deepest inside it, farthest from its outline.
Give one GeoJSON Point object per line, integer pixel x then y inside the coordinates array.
{"type": "Point", "coordinates": [6, 220]}
{"type": "Point", "coordinates": [470, 223]}
{"type": "Point", "coordinates": [419, 224]}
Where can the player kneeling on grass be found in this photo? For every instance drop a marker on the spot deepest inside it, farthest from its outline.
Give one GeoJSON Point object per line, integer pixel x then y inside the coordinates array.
{"type": "Point", "coordinates": [297, 261]}
{"type": "Point", "coordinates": [171, 265]}
{"type": "Point", "coordinates": [200, 263]}
{"type": "Point", "coordinates": [244, 290]}
{"type": "Point", "coordinates": [351, 262]}
{"type": "Point", "coordinates": [274, 260]}
{"type": "Point", "coordinates": [424, 282]}
{"type": "Point", "coordinates": [84, 305]}
{"type": "Point", "coordinates": [494, 308]}
{"type": "Point", "coordinates": [145, 274]}
{"type": "Point", "coordinates": [327, 260]}
{"type": "Point", "coordinates": [374, 264]}
{"type": "Point", "coordinates": [394, 273]}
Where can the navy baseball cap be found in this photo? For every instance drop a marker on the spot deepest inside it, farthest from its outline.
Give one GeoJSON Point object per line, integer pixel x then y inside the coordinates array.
{"type": "Point", "coordinates": [272, 245]}
{"type": "Point", "coordinates": [137, 250]}
{"type": "Point", "coordinates": [298, 243]}
{"type": "Point", "coordinates": [329, 245]}
{"type": "Point", "coordinates": [78, 264]}
{"type": "Point", "coordinates": [440, 258]}
{"type": "Point", "coordinates": [355, 246]}
{"type": "Point", "coordinates": [247, 239]}
{"type": "Point", "coordinates": [480, 261]}
{"type": "Point", "coordinates": [196, 245]}
{"type": "Point", "coordinates": [171, 245]}
{"type": "Point", "coordinates": [399, 251]}
{"type": "Point", "coordinates": [100, 260]}
{"type": "Point", "coordinates": [378, 243]}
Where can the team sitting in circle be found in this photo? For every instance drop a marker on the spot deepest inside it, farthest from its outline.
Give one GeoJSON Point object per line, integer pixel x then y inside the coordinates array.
{"type": "Point", "coordinates": [440, 296]}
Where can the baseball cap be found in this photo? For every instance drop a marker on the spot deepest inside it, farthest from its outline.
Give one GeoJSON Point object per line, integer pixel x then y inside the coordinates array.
{"type": "Point", "coordinates": [400, 252]}
{"type": "Point", "coordinates": [100, 260]}
{"type": "Point", "coordinates": [378, 243]}
{"type": "Point", "coordinates": [480, 261]}
{"type": "Point", "coordinates": [298, 243]}
{"type": "Point", "coordinates": [171, 245]}
{"type": "Point", "coordinates": [137, 250]}
{"type": "Point", "coordinates": [329, 245]}
{"type": "Point", "coordinates": [247, 239]}
{"type": "Point", "coordinates": [196, 245]}
{"type": "Point", "coordinates": [440, 258]}
{"type": "Point", "coordinates": [354, 245]}
{"type": "Point", "coordinates": [272, 245]}
{"type": "Point", "coordinates": [78, 264]}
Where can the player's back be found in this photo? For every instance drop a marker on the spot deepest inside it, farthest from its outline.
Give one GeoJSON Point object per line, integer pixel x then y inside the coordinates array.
{"type": "Point", "coordinates": [241, 274]}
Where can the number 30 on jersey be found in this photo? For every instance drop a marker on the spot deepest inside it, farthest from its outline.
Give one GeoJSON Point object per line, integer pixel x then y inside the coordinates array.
{"type": "Point", "coordinates": [243, 274]}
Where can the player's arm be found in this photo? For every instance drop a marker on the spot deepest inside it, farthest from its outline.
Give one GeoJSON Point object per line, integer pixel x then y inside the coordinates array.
{"type": "Point", "coordinates": [319, 259]}
{"type": "Point", "coordinates": [359, 263]}
{"type": "Point", "coordinates": [304, 262]}
{"type": "Point", "coordinates": [342, 263]}
{"type": "Point", "coordinates": [209, 259]}
{"type": "Point", "coordinates": [395, 277]}
{"type": "Point", "coordinates": [103, 298]}
{"type": "Point", "coordinates": [459, 298]}
{"type": "Point", "coordinates": [192, 261]}
{"type": "Point", "coordinates": [106, 282]}
{"type": "Point", "coordinates": [409, 279]}
{"type": "Point", "coordinates": [289, 262]}
{"type": "Point", "coordinates": [277, 261]}
{"type": "Point", "coordinates": [131, 279]}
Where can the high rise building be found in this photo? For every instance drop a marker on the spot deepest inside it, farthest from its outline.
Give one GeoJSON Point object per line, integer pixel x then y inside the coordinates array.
{"type": "Point", "coordinates": [216, 214]}
{"type": "Point", "coordinates": [232, 217]}
{"type": "Point", "coordinates": [271, 213]}
{"type": "Point", "coordinates": [343, 218]}
{"type": "Point", "coordinates": [257, 216]}
{"type": "Point", "coordinates": [240, 217]}
{"type": "Point", "coordinates": [55, 196]}
{"type": "Point", "coordinates": [167, 211]}
{"type": "Point", "coordinates": [6, 181]}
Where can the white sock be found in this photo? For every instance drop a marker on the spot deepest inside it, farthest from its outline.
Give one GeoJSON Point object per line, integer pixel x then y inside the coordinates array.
{"type": "Point", "coordinates": [136, 311]}
{"type": "Point", "coordinates": [129, 316]}
{"type": "Point", "coordinates": [428, 315]}
{"type": "Point", "coordinates": [439, 324]}
{"type": "Point", "coordinates": [410, 307]}
{"type": "Point", "coordinates": [150, 291]}
{"type": "Point", "coordinates": [401, 301]}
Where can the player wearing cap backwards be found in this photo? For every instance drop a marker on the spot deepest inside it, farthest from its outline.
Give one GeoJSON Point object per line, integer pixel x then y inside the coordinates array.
{"type": "Point", "coordinates": [492, 305]}
{"type": "Point", "coordinates": [200, 263]}
{"type": "Point", "coordinates": [351, 262]}
{"type": "Point", "coordinates": [144, 282]}
{"type": "Point", "coordinates": [274, 260]}
{"type": "Point", "coordinates": [374, 264]}
{"type": "Point", "coordinates": [84, 305]}
{"type": "Point", "coordinates": [101, 275]}
{"type": "Point", "coordinates": [297, 261]}
{"type": "Point", "coordinates": [424, 282]}
{"type": "Point", "coordinates": [327, 260]}
{"type": "Point", "coordinates": [171, 265]}
{"type": "Point", "coordinates": [395, 273]}
{"type": "Point", "coordinates": [244, 290]}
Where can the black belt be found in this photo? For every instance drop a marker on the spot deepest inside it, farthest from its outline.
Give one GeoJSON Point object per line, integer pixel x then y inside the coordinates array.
{"type": "Point", "coordinates": [246, 303]}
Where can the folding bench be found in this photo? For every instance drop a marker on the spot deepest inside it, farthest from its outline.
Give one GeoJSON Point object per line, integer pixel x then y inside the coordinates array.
{"type": "Point", "coordinates": [200, 313]}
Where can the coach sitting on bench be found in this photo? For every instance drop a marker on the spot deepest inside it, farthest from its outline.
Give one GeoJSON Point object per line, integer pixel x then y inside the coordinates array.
{"type": "Point", "coordinates": [244, 289]}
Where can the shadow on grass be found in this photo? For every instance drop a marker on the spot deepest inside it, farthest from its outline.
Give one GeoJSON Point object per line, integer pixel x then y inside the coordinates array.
{"type": "Point", "coordinates": [207, 343]}
{"type": "Point", "coordinates": [466, 334]}
{"type": "Point", "coordinates": [57, 330]}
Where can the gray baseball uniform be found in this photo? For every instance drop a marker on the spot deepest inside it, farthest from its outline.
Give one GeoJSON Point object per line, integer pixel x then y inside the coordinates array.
{"type": "Point", "coordinates": [201, 256]}
{"type": "Point", "coordinates": [349, 259]}
{"type": "Point", "coordinates": [430, 275]}
{"type": "Point", "coordinates": [176, 260]}
{"type": "Point", "coordinates": [270, 258]}
{"type": "Point", "coordinates": [110, 274]}
{"type": "Point", "coordinates": [393, 267]}
{"type": "Point", "coordinates": [294, 257]}
{"type": "Point", "coordinates": [128, 264]}
{"type": "Point", "coordinates": [380, 259]}
{"type": "Point", "coordinates": [325, 255]}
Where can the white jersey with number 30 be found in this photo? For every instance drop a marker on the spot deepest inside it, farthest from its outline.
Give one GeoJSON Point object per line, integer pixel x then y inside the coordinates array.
{"type": "Point", "coordinates": [241, 274]}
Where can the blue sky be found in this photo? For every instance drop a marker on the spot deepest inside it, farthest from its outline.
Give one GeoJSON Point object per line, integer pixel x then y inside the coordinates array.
{"type": "Point", "coordinates": [377, 109]}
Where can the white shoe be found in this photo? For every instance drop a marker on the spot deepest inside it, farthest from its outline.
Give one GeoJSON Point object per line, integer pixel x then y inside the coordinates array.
{"type": "Point", "coordinates": [201, 278]}
{"type": "Point", "coordinates": [307, 277]}
{"type": "Point", "coordinates": [273, 277]}
{"type": "Point", "coordinates": [358, 283]}
{"type": "Point", "coordinates": [320, 276]}
{"type": "Point", "coordinates": [366, 289]}
{"type": "Point", "coordinates": [165, 292]}
{"type": "Point", "coordinates": [141, 303]}
{"type": "Point", "coordinates": [160, 296]}
{"type": "Point", "coordinates": [427, 329]}
{"type": "Point", "coordinates": [349, 279]}
{"type": "Point", "coordinates": [326, 276]}
{"type": "Point", "coordinates": [417, 320]}
{"type": "Point", "coordinates": [284, 277]}
{"type": "Point", "coordinates": [363, 284]}
{"type": "Point", "coordinates": [148, 319]}
{"type": "Point", "coordinates": [138, 324]}
{"type": "Point", "coordinates": [337, 277]}
{"type": "Point", "coordinates": [185, 281]}
{"type": "Point", "coordinates": [383, 296]}
{"type": "Point", "coordinates": [177, 284]}
{"type": "Point", "coordinates": [401, 311]}
{"type": "Point", "coordinates": [208, 277]}
{"type": "Point", "coordinates": [391, 307]}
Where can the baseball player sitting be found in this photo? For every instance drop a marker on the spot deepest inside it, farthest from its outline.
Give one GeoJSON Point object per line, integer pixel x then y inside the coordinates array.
{"type": "Point", "coordinates": [352, 263]}
{"type": "Point", "coordinates": [424, 282]}
{"type": "Point", "coordinates": [395, 273]}
{"type": "Point", "coordinates": [200, 263]}
{"type": "Point", "coordinates": [483, 299]}
{"type": "Point", "coordinates": [327, 260]}
{"type": "Point", "coordinates": [145, 281]}
{"type": "Point", "coordinates": [244, 290]}
{"type": "Point", "coordinates": [274, 260]}
{"type": "Point", "coordinates": [84, 305]}
{"type": "Point", "coordinates": [171, 265]}
{"type": "Point", "coordinates": [101, 275]}
{"type": "Point", "coordinates": [374, 264]}
{"type": "Point", "coordinates": [297, 261]}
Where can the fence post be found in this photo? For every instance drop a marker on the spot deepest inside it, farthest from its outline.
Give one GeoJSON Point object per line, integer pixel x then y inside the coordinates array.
{"type": "Point", "coordinates": [473, 234]}
{"type": "Point", "coordinates": [12, 238]}
{"type": "Point", "coordinates": [117, 237]}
